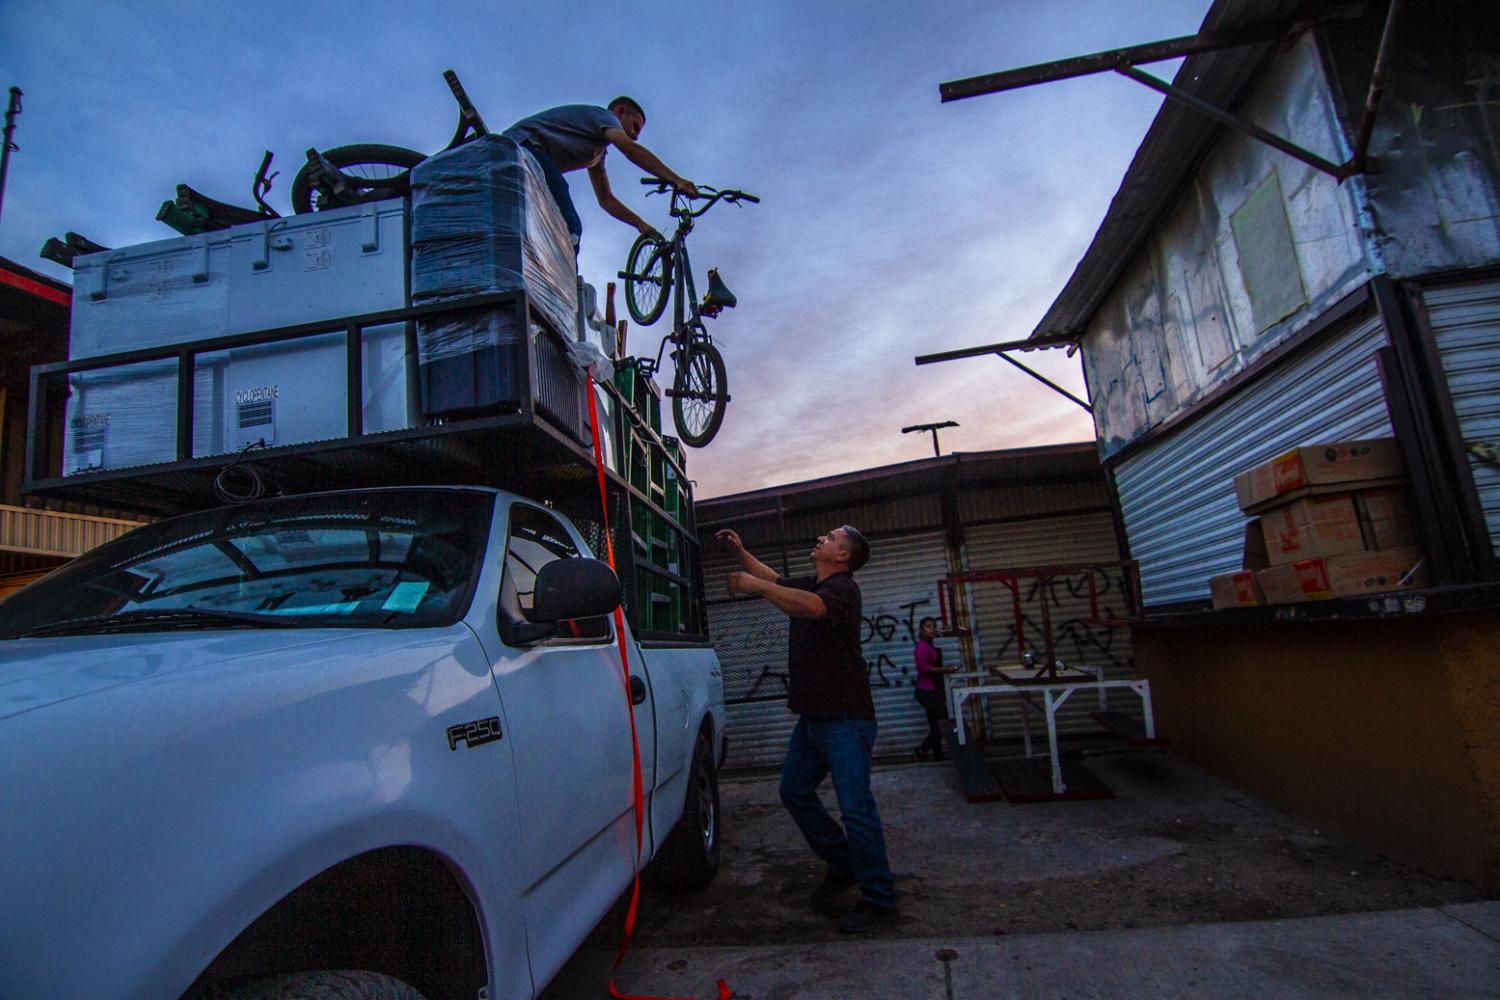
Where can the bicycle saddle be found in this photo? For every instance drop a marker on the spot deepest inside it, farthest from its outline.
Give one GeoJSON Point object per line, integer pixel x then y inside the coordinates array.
{"type": "Point", "coordinates": [718, 295]}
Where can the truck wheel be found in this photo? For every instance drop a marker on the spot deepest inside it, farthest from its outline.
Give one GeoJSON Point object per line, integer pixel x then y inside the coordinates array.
{"type": "Point", "coordinates": [326, 985]}
{"type": "Point", "coordinates": [690, 857]}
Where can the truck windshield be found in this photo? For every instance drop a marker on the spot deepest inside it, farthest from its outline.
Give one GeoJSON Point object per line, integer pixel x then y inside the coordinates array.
{"type": "Point", "coordinates": [380, 558]}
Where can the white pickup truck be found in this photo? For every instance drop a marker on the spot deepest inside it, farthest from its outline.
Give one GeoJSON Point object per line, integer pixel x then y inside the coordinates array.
{"type": "Point", "coordinates": [371, 743]}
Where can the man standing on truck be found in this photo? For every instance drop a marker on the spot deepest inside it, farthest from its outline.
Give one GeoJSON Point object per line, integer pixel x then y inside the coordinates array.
{"type": "Point", "coordinates": [575, 136]}
{"type": "Point", "coordinates": [828, 687]}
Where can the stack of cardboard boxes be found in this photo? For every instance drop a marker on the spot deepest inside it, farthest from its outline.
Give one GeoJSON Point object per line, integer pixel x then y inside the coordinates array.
{"type": "Point", "coordinates": [1328, 521]}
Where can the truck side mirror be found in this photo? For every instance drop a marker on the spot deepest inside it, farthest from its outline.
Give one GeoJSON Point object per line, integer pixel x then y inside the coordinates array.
{"type": "Point", "coordinates": [574, 588]}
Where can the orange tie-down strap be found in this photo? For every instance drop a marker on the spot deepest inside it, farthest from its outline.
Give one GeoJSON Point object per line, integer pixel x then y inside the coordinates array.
{"type": "Point", "coordinates": [635, 746]}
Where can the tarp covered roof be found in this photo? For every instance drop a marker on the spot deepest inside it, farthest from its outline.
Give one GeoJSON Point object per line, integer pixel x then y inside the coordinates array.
{"type": "Point", "coordinates": [1177, 139]}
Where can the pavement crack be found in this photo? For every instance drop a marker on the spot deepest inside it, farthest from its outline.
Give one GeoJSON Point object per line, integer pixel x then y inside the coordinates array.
{"type": "Point", "coordinates": [1473, 927]}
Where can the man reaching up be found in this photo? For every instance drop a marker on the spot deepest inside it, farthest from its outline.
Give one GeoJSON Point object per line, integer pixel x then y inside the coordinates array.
{"type": "Point", "coordinates": [575, 136]}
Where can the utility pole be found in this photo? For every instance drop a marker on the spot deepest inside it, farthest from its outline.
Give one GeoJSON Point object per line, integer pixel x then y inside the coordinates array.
{"type": "Point", "coordinates": [934, 428]}
{"type": "Point", "coordinates": [5, 144]}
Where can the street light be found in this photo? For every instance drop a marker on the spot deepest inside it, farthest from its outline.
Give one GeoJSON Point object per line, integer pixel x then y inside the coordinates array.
{"type": "Point", "coordinates": [934, 428]}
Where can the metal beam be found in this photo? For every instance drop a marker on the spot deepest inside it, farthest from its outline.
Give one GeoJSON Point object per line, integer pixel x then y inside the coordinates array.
{"type": "Point", "coordinates": [1223, 117]}
{"type": "Point", "coordinates": [1131, 55]}
{"type": "Point", "coordinates": [1377, 89]}
{"type": "Point", "coordinates": [1046, 381]}
{"type": "Point", "coordinates": [1103, 62]}
{"type": "Point", "coordinates": [1036, 344]}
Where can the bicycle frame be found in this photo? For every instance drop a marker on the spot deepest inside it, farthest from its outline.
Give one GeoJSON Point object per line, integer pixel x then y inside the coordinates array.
{"type": "Point", "coordinates": [687, 311]}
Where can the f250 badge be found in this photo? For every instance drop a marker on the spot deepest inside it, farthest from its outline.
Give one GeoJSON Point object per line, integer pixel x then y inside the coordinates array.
{"type": "Point", "coordinates": [473, 734]}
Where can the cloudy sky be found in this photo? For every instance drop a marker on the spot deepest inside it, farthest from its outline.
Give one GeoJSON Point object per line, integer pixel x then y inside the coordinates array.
{"type": "Point", "coordinates": [891, 225]}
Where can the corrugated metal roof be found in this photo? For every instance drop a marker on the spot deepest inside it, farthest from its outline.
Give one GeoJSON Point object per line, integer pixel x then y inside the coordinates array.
{"type": "Point", "coordinates": [1035, 466]}
{"type": "Point", "coordinates": [1177, 139]}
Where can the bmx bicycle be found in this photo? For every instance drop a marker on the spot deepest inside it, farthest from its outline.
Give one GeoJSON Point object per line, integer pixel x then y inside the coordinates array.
{"type": "Point", "coordinates": [657, 268]}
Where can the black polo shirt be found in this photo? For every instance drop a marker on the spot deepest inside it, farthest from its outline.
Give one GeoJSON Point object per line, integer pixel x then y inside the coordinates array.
{"type": "Point", "coordinates": [826, 674]}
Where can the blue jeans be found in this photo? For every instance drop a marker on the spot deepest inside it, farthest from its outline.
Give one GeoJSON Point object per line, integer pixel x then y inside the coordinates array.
{"type": "Point", "coordinates": [842, 748]}
{"type": "Point", "coordinates": [558, 185]}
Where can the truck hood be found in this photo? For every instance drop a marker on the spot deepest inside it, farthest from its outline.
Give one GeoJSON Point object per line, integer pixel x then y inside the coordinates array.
{"type": "Point", "coordinates": [36, 673]}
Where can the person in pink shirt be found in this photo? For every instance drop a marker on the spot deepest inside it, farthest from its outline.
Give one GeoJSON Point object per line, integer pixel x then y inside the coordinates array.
{"type": "Point", "coordinates": [929, 688]}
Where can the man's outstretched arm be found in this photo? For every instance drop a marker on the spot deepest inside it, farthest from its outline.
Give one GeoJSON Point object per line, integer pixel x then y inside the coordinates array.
{"type": "Point", "coordinates": [792, 601]}
{"type": "Point", "coordinates": [648, 161]}
{"type": "Point", "coordinates": [612, 205]}
{"type": "Point", "coordinates": [730, 539]}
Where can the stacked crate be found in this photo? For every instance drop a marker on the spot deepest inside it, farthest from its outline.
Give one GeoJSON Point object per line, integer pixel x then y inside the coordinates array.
{"type": "Point", "coordinates": [661, 510]}
{"type": "Point", "coordinates": [1329, 520]}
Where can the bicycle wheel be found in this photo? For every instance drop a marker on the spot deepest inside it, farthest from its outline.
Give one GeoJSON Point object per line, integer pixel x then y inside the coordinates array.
{"type": "Point", "coordinates": [377, 171]}
{"type": "Point", "coordinates": [648, 278]}
{"type": "Point", "coordinates": [700, 391]}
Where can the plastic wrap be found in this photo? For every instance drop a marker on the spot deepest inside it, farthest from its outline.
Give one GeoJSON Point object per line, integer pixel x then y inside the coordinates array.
{"type": "Point", "coordinates": [289, 392]}
{"type": "Point", "coordinates": [127, 416]}
{"type": "Point", "coordinates": [484, 221]}
{"type": "Point", "coordinates": [592, 329]}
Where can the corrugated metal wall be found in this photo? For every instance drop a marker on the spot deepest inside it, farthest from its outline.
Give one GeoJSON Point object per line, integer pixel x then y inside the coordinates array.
{"type": "Point", "coordinates": [1076, 538]}
{"type": "Point", "coordinates": [1177, 494]}
{"type": "Point", "coordinates": [50, 533]}
{"type": "Point", "coordinates": [1465, 320]}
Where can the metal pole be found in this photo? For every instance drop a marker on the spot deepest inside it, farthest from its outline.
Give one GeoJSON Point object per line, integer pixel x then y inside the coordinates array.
{"type": "Point", "coordinates": [1361, 152]}
{"type": "Point", "coordinates": [5, 144]}
{"type": "Point", "coordinates": [937, 453]}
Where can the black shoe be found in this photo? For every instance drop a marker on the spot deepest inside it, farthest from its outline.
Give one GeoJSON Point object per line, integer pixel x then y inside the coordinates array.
{"type": "Point", "coordinates": [866, 916]}
{"type": "Point", "coordinates": [922, 753]}
{"type": "Point", "coordinates": [830, 889]}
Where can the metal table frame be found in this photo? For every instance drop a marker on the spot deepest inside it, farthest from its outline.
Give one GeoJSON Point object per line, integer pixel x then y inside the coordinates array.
{"type": "Point", "coordinates": [1055, 693]}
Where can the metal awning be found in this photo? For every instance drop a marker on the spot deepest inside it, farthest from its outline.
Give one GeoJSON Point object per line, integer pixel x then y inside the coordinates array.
{"type": "Point", "coordinates": [1236, 40]}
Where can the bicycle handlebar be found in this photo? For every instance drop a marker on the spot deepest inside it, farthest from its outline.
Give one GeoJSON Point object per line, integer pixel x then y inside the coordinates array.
{"type": "Point", "coordinates": [704, 191]}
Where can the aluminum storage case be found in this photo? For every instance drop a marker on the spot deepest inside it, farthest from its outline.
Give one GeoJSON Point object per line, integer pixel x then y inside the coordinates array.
{"type": "Point", "coordinates": [123, 417]}
{"type": "Point", "coordinates": [259, 276]}
{"type": "Point", "coordinates": [266, 395]}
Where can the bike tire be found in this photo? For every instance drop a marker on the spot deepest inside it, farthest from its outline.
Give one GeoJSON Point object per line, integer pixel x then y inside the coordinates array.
{"type": "Point", "coordinates": [700, 392]}
{"type": "Point", "coordinates": [380, 171]}
{"type": "Point", "coordinates": [649, 284]}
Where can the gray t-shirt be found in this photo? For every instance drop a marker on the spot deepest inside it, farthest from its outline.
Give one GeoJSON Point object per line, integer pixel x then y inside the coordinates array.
{"type": "Point", "coordinates": [572, 135]}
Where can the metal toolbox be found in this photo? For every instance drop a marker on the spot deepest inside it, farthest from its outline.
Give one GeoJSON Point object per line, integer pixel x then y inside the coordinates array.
{"type": "Point", "coordinates": [259, 276]}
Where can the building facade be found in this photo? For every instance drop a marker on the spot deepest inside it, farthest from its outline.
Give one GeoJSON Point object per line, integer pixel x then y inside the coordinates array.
{"type": "Point", "coordinates": [924, 519]}
{"type": "Point", "coordinates": [1239, 301]}
{"type": "Point", "coordinates": [35, 537]}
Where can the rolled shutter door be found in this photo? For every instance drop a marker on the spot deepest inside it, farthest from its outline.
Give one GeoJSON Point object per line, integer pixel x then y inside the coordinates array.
{"type": "Point", "coordinates": [1465, 321]}
{"type": "Point", "coordinates": [1177, 494]}
{"type": "Point", "coordinates": [1054, 541]}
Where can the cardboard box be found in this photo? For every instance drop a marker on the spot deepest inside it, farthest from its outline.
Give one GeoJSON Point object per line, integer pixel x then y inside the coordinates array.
{"type": "Point", "coordinates": [1385, 518]}
{"type": "Point", "coordinates": [1312, 466]}
{"type": "Point", "coordinates": [1312, 526]}
{"type": "Point", "coordinates": [1255, 555]}
{"type": "Point", "coordinates": [1325, 577]}
{"type": "Point", "coordinates": [1235, 590]}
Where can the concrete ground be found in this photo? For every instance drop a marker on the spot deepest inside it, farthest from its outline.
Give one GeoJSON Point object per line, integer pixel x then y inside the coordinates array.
{"type": "Point", "coordinates": [1181, 885]}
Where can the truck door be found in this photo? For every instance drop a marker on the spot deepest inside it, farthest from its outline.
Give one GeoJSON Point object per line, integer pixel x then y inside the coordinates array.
{"type": "Point", "coordinates": [570, 737]}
